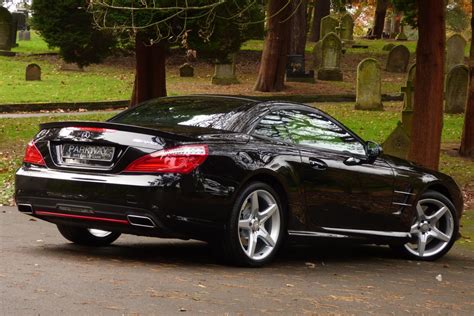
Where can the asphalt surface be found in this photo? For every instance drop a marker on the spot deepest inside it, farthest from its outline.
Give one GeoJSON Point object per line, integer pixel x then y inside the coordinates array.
{"type": "Point", "coordinates": [42, 274]}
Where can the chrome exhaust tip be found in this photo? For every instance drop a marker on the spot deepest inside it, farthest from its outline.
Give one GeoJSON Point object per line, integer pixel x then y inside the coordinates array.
{"type": "Point", "coordinates": [142, 221]}
{"type": "Point", "coordinates": [25, 208]}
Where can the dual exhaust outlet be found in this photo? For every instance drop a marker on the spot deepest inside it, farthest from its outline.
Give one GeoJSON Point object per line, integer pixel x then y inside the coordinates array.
{"type": "Point", "coordinates": [134, 220]}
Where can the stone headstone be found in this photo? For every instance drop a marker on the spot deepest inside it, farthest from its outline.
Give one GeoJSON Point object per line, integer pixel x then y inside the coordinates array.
{"type": "Point", "coordinates": [14, 29]}
{"type": "Point", "coordinates": [21, 35]}
{"type": "Point", "coordinates": [398, 142]}
{"type": "Point", "coordinates": [295, 70]}
{"type": "Point", "coordinates": [328, 25]}
{"type": "Point", "coordinates": [401, 36]}
{"type": "Point", "coordinates": [33, 72]}
{"type": "Point", "coordinates": [369, 87]}
{"type": "Point", "coordinates": [347, 29]}
{"type": "Point", "coordinates": [70, 67]}
{"type": "Point", "coordinates": [317, 55]}
{"type": "Point", "coordinates": [398, 59]}
{"type": "Point", "coordinates": [331, 58]}
{"type": "Point", "coordinates": [224, 74]}
{"type": "Point", "coordinates": [455, 51]}
{"type": "Point", "coordinates": [456, 89]}
{"type": "Point", "coordinates": [409, 100]}
{"type": "Point", "coordinates": [388, 47]}
{"type": "Point", "coordinates": [5, 29]}
{"type": "Point", "coordinates": [21, 21]}
{"type": "Point", "coordinates": [26, 36]}
{"type": "Point", "coordinates": [186, 70]}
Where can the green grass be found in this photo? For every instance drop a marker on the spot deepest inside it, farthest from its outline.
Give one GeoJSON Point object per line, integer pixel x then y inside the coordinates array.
{"type": "Point", "coordinates": [35, 46]}
{"type": "Point", "coordinates": [103, 83]}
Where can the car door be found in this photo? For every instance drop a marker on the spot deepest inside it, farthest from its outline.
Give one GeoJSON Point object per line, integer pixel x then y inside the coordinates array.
{"type": "Point", "coordinates": [343, 190]}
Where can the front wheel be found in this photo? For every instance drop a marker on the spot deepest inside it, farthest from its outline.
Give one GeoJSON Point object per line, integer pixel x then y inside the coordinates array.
{"type": "Point", "coordinates": [434, 228]}
{"type": "Point", "coordinates": [88, 236]}
{"type": "Point", "coordinates": [255, 229]}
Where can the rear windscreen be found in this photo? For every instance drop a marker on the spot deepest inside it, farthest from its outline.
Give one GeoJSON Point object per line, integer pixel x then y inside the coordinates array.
{"type": "Point", "coordinates": [214, 113]}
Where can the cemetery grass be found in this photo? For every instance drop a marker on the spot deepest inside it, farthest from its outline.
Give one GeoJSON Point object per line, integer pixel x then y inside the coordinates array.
{"type": "Point", "coordinates": [35, 46]}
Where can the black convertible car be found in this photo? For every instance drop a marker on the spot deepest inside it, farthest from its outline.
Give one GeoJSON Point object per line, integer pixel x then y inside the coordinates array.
{"type": "Point", "coordinates": [236, 172]}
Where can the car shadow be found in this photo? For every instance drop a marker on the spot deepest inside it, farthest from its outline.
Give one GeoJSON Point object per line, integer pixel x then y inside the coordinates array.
{"type": "Point", "coordinates": [195, 253]}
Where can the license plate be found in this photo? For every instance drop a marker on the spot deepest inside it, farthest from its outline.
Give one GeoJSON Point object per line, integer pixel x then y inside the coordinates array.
{"type": "Point", "coordinates": [87, 152]}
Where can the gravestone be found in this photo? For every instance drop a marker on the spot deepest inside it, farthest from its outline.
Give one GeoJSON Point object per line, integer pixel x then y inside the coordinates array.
{"type": "Point", "coordinates": [328, 25]}
{"type": "Point", "coordinates": [14, 29]}
{"type": "Point", "coordinates": [369, 95]}
{"type": "Point", "coordinates": [398, 142]}
{"type": "Point", "coordinates": [295, 70]}
{"type": "Point", "coordinates": [346, 29]}
{"type": "Point", "coordinates": [33, 72]}
{"type": "Point", "coordinates": [317, 55]}
{"type": "Point", "coordinates": [401, 36]}
{"type": "Point", "coordinates": [224, 74]}
{"type": "Point", "coordinates": [331, 58]}
{"type": "Point", "coordinates": [21, 35]}
{"type": "Point", "coordinates": [186, 70]}
{"type": "Point", "coordinates": [21, 21]}
{"type": "Point", "coordinates": [26, 35]}
{"type": "Point", "coordinates": [456, 89]}
{"type": "Point", "coordinates": [70, 67]}
{"type": "Point", "coordinates": [388, 47]}
{"type": "Point", "coordinates": [455, 51]}
{"type": "Point", "coordinates": [398, 59]}
{"type": "Point", "coordinates": [5, 29]}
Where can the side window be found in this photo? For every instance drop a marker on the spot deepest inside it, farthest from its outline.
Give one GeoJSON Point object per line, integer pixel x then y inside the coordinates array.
{"type": "Point", "coordinates": [273, 126]}
{"type": "Point", "coordinates": [316, 130]}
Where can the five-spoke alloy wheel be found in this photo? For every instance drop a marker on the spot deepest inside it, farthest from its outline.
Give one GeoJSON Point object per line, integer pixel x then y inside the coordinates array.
{"type": "Point", "coordinates": [434, 229]}
{"type": "Point", "coordinates": [256, 227]}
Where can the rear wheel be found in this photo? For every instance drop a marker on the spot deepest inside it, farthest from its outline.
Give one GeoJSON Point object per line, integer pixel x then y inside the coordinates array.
{"type": "Point", "coordinates": [434, 228]}
{"type": "Point", "coordinates": [256, 228]}
{"type": "Point", "coordinates": [88, 236]}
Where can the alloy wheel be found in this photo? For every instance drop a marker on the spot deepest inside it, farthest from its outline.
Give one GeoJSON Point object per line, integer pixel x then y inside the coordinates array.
{"type": "Point", "coordinates": [259, 224]}
{"type": "Point", "coordinates": [432, 229]}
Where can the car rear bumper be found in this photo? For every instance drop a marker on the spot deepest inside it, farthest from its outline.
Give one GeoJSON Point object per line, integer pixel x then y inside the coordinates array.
{"type": "Point", "coordinates": [152, 205]}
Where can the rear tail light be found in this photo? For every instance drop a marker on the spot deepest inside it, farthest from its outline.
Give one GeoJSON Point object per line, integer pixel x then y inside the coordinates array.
{"type": "Point", "coordinates": [182, 159]}
{"type": "Point", "coordinates": [33, 155]}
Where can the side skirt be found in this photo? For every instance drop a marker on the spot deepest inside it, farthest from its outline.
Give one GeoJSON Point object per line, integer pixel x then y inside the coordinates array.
{"type": "Point", "coordinates": [346, 233]}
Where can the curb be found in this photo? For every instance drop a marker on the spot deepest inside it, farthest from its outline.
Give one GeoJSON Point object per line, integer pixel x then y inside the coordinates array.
{"type": "Point", "coordinates": [103, 105]}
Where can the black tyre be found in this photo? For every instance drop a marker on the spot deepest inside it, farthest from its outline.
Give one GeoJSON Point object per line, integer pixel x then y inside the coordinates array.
{"type": "Point", "coordinates": [434, 228]}
{"type": "Point", "coordinates": [256, 227]}
{"type": "Point", "coordinates": [88, 236]}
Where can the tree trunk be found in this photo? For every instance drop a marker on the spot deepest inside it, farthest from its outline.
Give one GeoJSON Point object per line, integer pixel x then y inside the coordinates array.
{"type": "Point", "coordinates": [467, 141]}
{"type": "Point", "coordinates": [298, 27]}
{"type": "Point", "coordinates": [150, 71]}
{"type": "Point", "coordinates": [271, 74]}
{"type": "Point", "coordinates": [379, 20]}
{"type": "Point", "coordinates": [321, 9]}
{"type": "Point", "coordinates": [428, 111]}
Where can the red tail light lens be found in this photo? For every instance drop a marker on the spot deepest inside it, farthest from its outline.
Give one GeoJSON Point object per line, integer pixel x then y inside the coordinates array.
{"type": "Point", "coordinates": [33, 155]}
{"type": "Point", "coordinates": [183, 159]}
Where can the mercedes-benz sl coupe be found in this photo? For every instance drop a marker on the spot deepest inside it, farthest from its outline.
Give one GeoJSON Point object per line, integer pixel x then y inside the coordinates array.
{"type": "Point", "coordinates": [236, 172]}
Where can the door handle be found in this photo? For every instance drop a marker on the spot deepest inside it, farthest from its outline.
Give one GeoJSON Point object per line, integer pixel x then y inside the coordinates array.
{"type": "Point", "coordinates": [317, 164]}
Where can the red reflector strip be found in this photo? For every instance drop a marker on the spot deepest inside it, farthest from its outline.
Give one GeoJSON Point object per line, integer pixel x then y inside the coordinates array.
{"type": "Point", "coordinates": [91, 129]}
{"type": "Point", "coordinates": [90, 218]}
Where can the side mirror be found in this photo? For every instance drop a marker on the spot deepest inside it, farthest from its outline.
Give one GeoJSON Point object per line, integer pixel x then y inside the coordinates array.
{"type": "Point", "coordinates": [373, 150]}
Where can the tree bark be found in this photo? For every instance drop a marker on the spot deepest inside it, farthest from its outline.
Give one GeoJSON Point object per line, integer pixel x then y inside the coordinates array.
{"type": "Point", "coordinates": [379, 20]}
{"type": "Point", "coordinates": [467, 141]}
{"type": "Point", "coordinates": [298, 27]}
{"type": "Point", "coordinates": [150, 71]}
{"type": "Point", "coordinates": [271, 74]}
{"type": "Point", "coordinates": [321, 9]}
{"type": "Point", "coordinates": [428, 111]}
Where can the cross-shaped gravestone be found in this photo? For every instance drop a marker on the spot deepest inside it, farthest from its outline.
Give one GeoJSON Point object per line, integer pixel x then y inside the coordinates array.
{"type": "Point", "coordinates": [408, 90]}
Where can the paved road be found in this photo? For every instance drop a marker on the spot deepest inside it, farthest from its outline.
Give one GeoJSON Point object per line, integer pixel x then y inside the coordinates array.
{"type": "Point", "coordinates": [42, 274]}
{"type": "Point", "coordinates": [24, 115]}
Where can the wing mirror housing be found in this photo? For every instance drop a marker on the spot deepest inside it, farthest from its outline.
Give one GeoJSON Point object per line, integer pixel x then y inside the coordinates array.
{"type": "Point", "coordinates": [373, 150]}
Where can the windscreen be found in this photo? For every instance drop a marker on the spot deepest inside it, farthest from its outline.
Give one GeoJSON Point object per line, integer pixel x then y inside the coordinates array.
{"type": "Point", "coordinates": [216, 113]}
